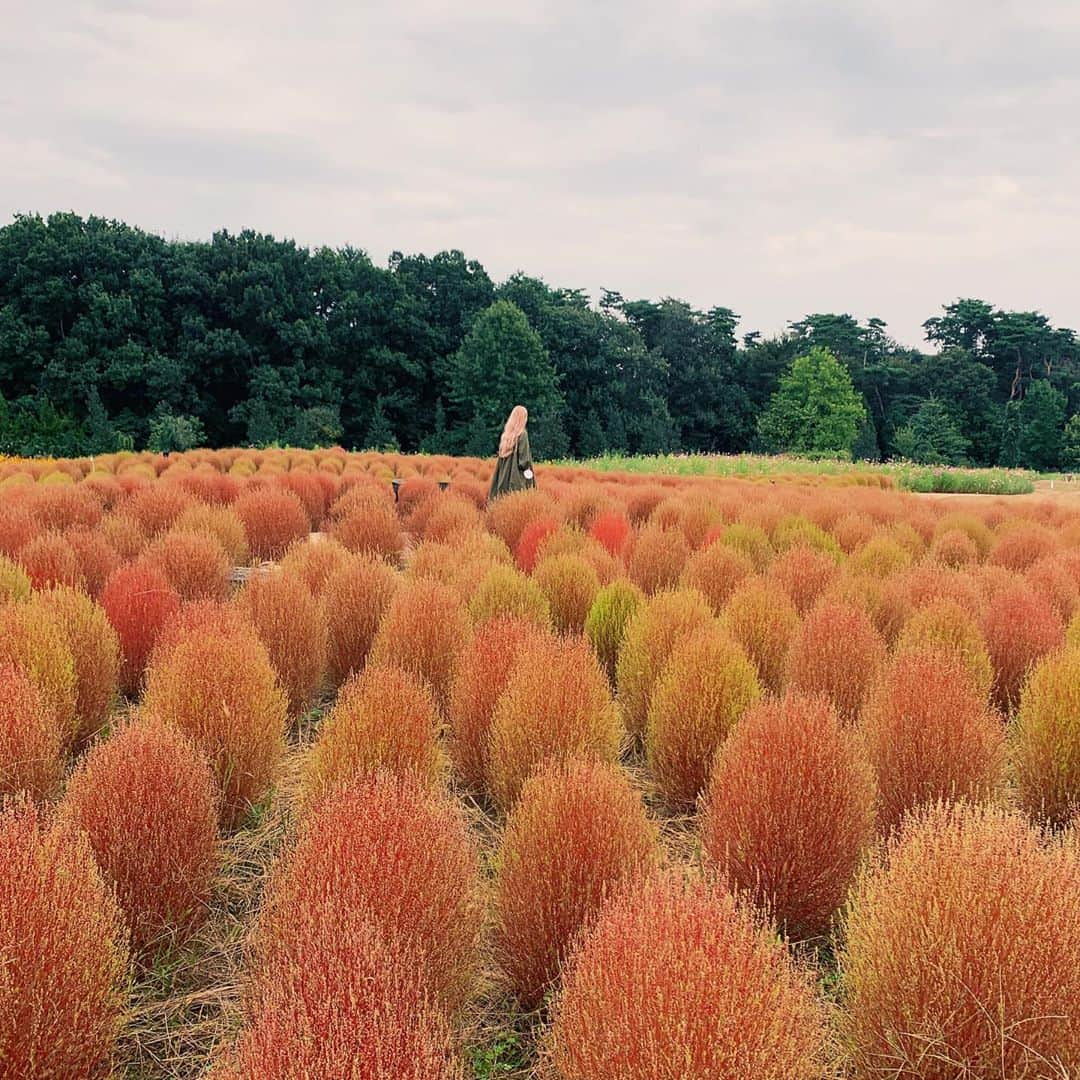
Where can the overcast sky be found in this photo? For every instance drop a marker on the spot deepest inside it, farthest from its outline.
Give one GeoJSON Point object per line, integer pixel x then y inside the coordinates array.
{"type": "Point", "coordinates": [774, 156]}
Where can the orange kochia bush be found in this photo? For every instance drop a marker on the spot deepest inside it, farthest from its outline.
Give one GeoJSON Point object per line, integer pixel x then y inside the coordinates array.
{"type": "Point", "coordinates": [354, 600]}
{"type": "Point", "coordinates": [31, 746]}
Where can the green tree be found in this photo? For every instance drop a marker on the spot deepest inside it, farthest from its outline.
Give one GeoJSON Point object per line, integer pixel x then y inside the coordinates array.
{"type": "Point", "coordinates": [502, 363]}
{"type": "Point", "coordinates": [169, 432]}
{"type": "Point", "coordinates": [1070, 453]}
{"type": "Point", "coordinates": [815, 409]}
{"type": "Point", "coordinates": [380, 435]}
{"type": "Point", "coordinates": [1042, 427]}
{"type": "Point", "coordinates": [932, 437]}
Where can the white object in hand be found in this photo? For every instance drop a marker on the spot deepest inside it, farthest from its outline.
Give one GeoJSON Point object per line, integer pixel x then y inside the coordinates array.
{"type": "Point", "coordinates": [527, 474]}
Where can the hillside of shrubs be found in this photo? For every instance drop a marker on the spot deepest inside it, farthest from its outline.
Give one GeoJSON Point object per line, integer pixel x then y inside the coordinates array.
{"type": "Point", "coordinates": [314, 764]}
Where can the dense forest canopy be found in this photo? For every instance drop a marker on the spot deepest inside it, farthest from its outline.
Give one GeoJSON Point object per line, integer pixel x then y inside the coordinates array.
{"type": "Point", "coordinates": [112, 337]}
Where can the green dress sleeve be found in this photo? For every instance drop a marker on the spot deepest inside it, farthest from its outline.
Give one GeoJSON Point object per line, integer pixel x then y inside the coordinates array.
{"type": "Point", "coordinates": [524, 459]}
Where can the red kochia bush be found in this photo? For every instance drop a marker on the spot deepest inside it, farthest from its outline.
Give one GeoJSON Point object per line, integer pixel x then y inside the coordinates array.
{"type": "Point", "coordinates": [272, 519]}
{"type": "Point", "coordinates": [95, 650]}
{"type": "Point", "coordinates": [371, 530]}
{"type": "Point", "coordinates": [612, 530]}
{"type": "Point", "coordinates": [64, 949]}
{"type": "Point", "coordinates": [532, 537]}
{"type": "Point", "coordinates": [96, 556]}
{"type": "Point", "coordinates": [31, 748]}
{"type": "Point", "coordinates": [220, 690]}
{"type": "Point", "coordinates": [704, 688]}
{"type": "Point", "coordinates": [50, 560]}
{"type": "Point", "coordinates": [962, 956]}
{"type": "Point", "coordinates": [716, 571]}
{"type": "Point", "coordinates": [804, 573]}
{"type": "Point", "coordinates": [363, 1005]}
{"type": "Point", "coordinates": [509, 515]}
{"type": "Point", "coordinates": [354, 600]}
{"type": "Point", "coordinates": [17, 527]}
{"type": "Point", "coordinates": [675, 980]}
{"type": "Point", "coordinates": [556, 705]}
{"type": "Point", "coordinates": [1046, 748]}
{"type": "Point", "coordinates": [315, 562]}
{"type": "Point", "coordinates": [789, 811]}
{"type": "Point", "coordinates": [147, 801]}
{"type": "Point", "coordinates": [930, 736]}
{"type": "Point", "coordinates": [657, 558]}
{"type": "Point", "coordinates": [383, 718]}
{"type": "Point", "coordinates": [837, 652]}
{"type": "Point", "coordinates": [383, 849]}
{"type": "Point", "coordinates": [292, 627]}
{"type": "Point", "coordinates": [194, 562]}
{"type": "Point", "coordinates": [425, 630]}
{"type": "Point", "coordinates": [480, 678]}
{"type": "Point", "coordinates": [577, 832]}
{"type": "Point", "coordinates": [138, 600]}
{"type": "Point", "coordinates": [157, 506]}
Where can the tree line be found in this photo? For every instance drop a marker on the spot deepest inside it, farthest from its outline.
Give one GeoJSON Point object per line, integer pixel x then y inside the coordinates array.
{"type": "Point", "coordinates": [112, 337]}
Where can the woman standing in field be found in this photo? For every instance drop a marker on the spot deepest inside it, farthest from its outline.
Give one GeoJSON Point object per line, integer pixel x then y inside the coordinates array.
{"type": "Point", "coordinates": [513, 467]}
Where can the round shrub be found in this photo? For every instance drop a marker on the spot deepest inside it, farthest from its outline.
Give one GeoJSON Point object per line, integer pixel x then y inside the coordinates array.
{"type": "Point", "coordinates": [383, 718]}
{"type": "Point", "coordinates": [157, 506]}
{"type": "Point", "coordinates": [804, 573]}
{"type": "Point", "coordinates": [64, 949]}
{"type": "Point", "coordinates": [220, 522]}
{"type": "Point", "coordinates": [95, 651]}
{"type": "Point", "coordinates": [577, 833]}
{"type": "Point", "coordinates": [424, 631]}
{"type": "Point", "coordinates": [50, 560]}
{"type": "Point", "coordinates": [220, 691]}
{"type": "Point", "coordinates": [1022, 545]}
{"type": "Point", "coordinates": [509, 515]}
{"type": "Point", "coordinates": [138, 600]}
{"type": "Point", "coordinates": [1020, 628]}
{"type": "Point", "coordinates": [605, 625]}
{"type": "Point", "coordinates": [946, 628]}
{"type": "Point", "coordinates": [1058, 582]}
{"type": "Point", "coordinates": [657, 559]}
{"type": "Point", "coordinates": [962, 957]}
{"type": "Point", "coordinates": [954, 548]}
{"type": "Point", "coordinates": [930, 736]}
{"type": "Point", "coordinates": [350, 998]}
{"type": "Point", "coordinates": [372, 530]}
{"type": "Point", "coordinates": [35, 643]}
{"type": "Point", "coordinates": [195, 564]}
{"type": "Point", "coordinates": [789, 811]}
{"type": "Point", "coordinates": [31, 748]}
{"type": "Point", "coordinates": [17, 527]}
{"type": "Point", "coordinates": [14, 581]}
{"type": "Point", "coordinates": [387, 849]}
{"type": "Point", "coordinates": [674, 972]}
{"type": "Point", "coordinates": [147, 801]}
{"type": "Point", "coordinates": [612, 530]}
{"type": "Point", "coordinates": [651, 634]}
{"type": "Point", "coordinates": [504, 592]}
{"type": "Point", "coordinates": [751, 540]}
{"type": "Point", "coordinates": [315, 562]}
{"type": "Point", "coordinates": [124, 534]}
{"type": "Point", "coordinates": [354, 601]}
{"type": "Point", "coordinates": [570, 586]}
{"type": "Point", "coordinates": [838, 653]}
{"type": "Point", "coordinates": [532, 538]}
{"type": "Point", "coordinates": [704, 687]}
{"type": "Point", "coordinates": [480, 678]}
{"type": "Point", "coordinates": [273, 519]}
{"type": "Point", "coordinates": [292, 627]}
{"type": "Point", "coordinates": [762, 619]}
{"type": "Point", "coordinates": [1046, 743]}
{"type": "Point", "coordinates": [556, 705]}
{"type": "Point", "coordinates": [96, 556]}
{"type": "Point", "coordinates": [716, 571]}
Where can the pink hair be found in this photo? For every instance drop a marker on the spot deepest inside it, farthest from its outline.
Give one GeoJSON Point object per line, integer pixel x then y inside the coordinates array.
{"type": "Point", "coordinates": [515, 426]}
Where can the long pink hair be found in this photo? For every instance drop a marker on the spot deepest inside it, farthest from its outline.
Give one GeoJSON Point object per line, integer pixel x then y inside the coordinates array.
{"type": "Point", "coordinates": [515, 425]}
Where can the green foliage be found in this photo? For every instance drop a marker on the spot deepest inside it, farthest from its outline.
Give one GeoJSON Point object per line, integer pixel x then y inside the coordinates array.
{"type": "Point", "coordinates": [815, 408]}
{"type": "Point", "coordinates": [169, 433]}
{"type": "Point", "coordinates": [931, 438]}
{"type": "Point", "coordinates": [1070, 454]}
{"type": "Point", "coordinates": [865, 447]}
{"type": "Point", "coordinates": [1042, 422]}
{"type": "Point", "coordinates": [380, 435]}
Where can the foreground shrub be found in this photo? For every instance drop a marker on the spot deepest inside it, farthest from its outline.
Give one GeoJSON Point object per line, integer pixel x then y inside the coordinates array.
{"type": "Point", "coordinates": [478, 682]}
{"type": "Point", "coordinates": [789, 811]}
{"type": "Point", "coordinates": [15, 582]}
{"type": "Point", "coordinates": [930, 735]}
{"type": "Point", "coordinates": [605, 625]}
{"type": "Point", "coordinates": [675, 973]}
{"type": "Point", "coordinates": [509, 515]}
{"type": "Point", "coordinates": [424, 631]}
{"type": "Point", "coordinates": [576, 834]}
{"type": "Point", "coordinates": [570, 586]}
{"type": "Point", "coordinates": [138, 600]}
{"type": "Point", "coordinates": [556, 705]}
{"type": "Point", "coordinates": [220, 691]}
{"type": "Point", "coordinates": [35, 644]}
{"type": "Point", "coordinates": [946, 628]}
{"type": "Point", "coordinates": [1046, 746]}
{"type": "Point", "coordinates": [148, 804]}
{"type": "Point", "coordinates": [95, 651]}
{"type": "Point", "coordinates": [49, 559]}
{"type": "Point", "coordinates": [703, 689]}
{"type": "Point", "coordinates": [338, 872]}
{"type": "Point", "coordinates": [612, 530]}
{"type": "Point", "coordinates": [372, 530]}
{"type": "Point", "coordinates": [962, 957]}
{"type": "Point", "coordinates": [354, 601]}
{"type": "Point", "coordinates": [657, 559]}
{"type": "Point", "coordinates": [504, 592]}
{"type": "Point", "coordinates": [195, 564]}
{"type": "Point", "coordinates": [838, 653]}
{"type": "Point", "coordinates": [1020, 628]}
{"type": "Point", "coordinates": [64, 991]}
{"type": "Point", "coordinates": [363, 1004]}
{"type": "Point", "coordinates": [716, 571]}
{"type": "Point", "coordinates": [762, 619]}
{"type": "Point", "coordinates": [651, 633]}
{"type": "Point", "coordinates": [292, 627]}
{"type": "Point", "coordinates": [383, 718]}
{"type": "Point", "coordinates": [273, 519]}
{"type": "Point", "coordinates": [31, 748]}
{"type": "Point", "coordinates": [527, 549]}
